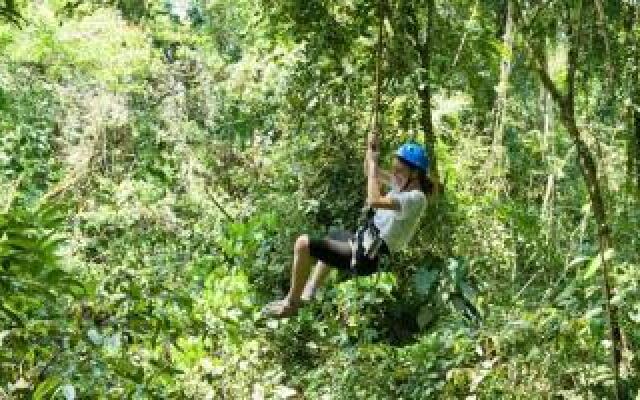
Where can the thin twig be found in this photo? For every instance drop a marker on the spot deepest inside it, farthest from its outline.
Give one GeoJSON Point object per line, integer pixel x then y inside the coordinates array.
{"type": "Point", "coordinates": [215, 201]}
{"type": "Point", "coordinates": [217, 204]}
{"type": "Point", "coordinates": [463, 39]}
{"type": "Point", "coordinates": [12, 193]}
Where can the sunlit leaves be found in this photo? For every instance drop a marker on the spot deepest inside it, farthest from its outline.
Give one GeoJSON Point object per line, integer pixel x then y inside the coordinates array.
{"type": "Point", "coordinates": [425, 280]}
{"type": "Point", "coordinates": [265, 106]}
{"type": "Point", "coordinates": [46, 388]}
{"type": "Point", "coordinates": [34, 283]}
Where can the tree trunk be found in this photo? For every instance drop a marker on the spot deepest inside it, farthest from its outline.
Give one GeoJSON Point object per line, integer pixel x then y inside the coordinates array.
{"type": "Point", "coordinates": [636, 124]}
{"type": "Point", "coordinates": [427, 121]}
{"type": "Point", "coordinates": [424, 50]}
{"type": "Point", "coordinates": [424, 89]}
{"type": "Point", "coordinates": [501, 99]}
{"type": "Point", "coordinates": [631, 47]}
{"type": "Point", "coordinates": [590, 174]}
{"type": "Point", "coordinates": [636, 99]}
{"type": "Point", "coordinates": [424, 94]}
{"type": "Point", "coordinates": [601, 19]}
{"type": "Point", "coordinates": [548, 148]}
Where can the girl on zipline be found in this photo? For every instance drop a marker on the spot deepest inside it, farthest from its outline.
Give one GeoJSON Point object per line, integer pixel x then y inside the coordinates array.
{"type": "Point", "coordinates": [393, 220]}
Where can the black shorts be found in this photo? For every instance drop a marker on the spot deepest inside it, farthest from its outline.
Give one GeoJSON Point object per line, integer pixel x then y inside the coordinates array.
{"type": "Point", "coordinates": [335, 251]}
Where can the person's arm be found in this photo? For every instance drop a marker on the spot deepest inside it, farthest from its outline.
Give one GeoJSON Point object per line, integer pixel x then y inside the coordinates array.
{"type": "Point", "coordinates": [374, 198]}
{"type": "Point", "coordinates": [384, 177]}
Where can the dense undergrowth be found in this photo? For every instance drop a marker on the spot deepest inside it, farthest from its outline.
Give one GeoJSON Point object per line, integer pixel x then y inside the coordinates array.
{"type": "Point", "coordinates": [156, 172]}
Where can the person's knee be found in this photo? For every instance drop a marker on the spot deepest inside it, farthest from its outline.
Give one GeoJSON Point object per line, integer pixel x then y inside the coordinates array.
{"type": "Point", "coordinates": [302, 243]}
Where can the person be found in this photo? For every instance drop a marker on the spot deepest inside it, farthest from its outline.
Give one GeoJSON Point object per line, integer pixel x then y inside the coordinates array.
{"type": "Point", "coordinates": [396, 217]}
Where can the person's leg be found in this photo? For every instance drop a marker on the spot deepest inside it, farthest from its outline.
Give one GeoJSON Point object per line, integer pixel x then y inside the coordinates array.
{"type": "Point", "coordinates": [316, 279]}
{"type": "Point", "coordinates": [331, 252]}
{"type": "Point", "coordinates": [299, 272]}
{"type": "Point", "coordinates": [334, 251]}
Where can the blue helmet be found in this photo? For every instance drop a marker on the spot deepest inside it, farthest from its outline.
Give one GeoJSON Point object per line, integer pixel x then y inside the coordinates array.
{"type": "Point", "coordinates": [415, 155]}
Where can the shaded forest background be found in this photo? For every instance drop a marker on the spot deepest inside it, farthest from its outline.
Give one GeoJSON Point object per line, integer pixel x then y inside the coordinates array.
{"type": "Point", "coordinates": [159, 158]}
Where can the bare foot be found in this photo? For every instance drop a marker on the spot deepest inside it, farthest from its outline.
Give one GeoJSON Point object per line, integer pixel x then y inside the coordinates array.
{"type": "Point", "coordinates": [306, 296]}
{"type": "Point", "coordinates": [280, 309]}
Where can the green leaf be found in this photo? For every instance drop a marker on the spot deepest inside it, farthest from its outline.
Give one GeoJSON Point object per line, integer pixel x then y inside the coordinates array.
{"type": "Point", "coordinates": [590, 314]}
{"type": "Point", "coordinates": [237, 229]}
{"type": "Point", "coordinates": [578, 260]}
{"type": "Point", "coordinates": [14, 315]}
{"type": "Point", "coordinates": [596, 262]}
{"type": "Point", "coordinates": [592, 268]}
{"type": "Point", "coordinates": [467, 291]}
{"type": "Point", "coordinates": [46, 387]}
{"type": "Point", "coordinates": [424, 280]}
{"type": "Point", "coordinates": [425, 316]}
{"type": "Point", "coordinates": [23, 243]}
{"type": "Point", "coordinates": [52, 244]}
{"type": "Point", "coordinates": [388, 27]}
{"type": "Point", "coordinates": [184, 301]}
{"type": "Point", "coordinates": [55, 276]}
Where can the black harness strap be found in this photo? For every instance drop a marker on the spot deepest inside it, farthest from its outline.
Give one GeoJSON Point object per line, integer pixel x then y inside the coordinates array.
{"type": "Point", "coordinates": [367, 241]}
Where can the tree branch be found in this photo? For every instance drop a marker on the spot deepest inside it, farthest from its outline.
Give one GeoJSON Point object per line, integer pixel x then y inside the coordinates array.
{"type": "Point", "coordinates": [525, 26]}
{"type": "Point", "coordinates": [602, 27]}
{"type": "Point", "coordinates": [571, 62]}
{"type": "Point", "coordinates": [539, 67]}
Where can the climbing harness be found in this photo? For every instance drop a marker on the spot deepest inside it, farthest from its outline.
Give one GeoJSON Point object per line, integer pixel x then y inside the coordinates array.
{"type": "Point", "coordinates": [366, 243]}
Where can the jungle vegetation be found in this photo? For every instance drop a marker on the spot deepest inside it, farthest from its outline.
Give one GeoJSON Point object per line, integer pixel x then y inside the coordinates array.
{"type": "Point", "coordinates": [159, 158]}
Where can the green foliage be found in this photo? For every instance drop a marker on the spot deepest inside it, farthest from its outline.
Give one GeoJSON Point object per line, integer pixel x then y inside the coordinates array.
{"type": "Point", "coordinates": [29, 259]}
{"type": "Point", "coordinates": [36, 290]}
{"type": "Point", "coordinates": [193, 141]}
{"type": "Point", "coordinates": [99, 45]}
{"type": "Point", "coordinates": [11, 11]}
{"type": "Point", "coordinates": [27, 145]}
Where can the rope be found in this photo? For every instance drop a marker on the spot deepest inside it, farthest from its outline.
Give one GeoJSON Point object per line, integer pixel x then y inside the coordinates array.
{"type": "Point", "coordinates": [376, 101]}
{"type": "Point", "coordinates": [367, 212]}
{"type": "Point", "coordinates": [376, 104]}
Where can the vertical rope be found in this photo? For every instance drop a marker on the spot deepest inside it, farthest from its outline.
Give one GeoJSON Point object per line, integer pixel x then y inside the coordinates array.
{"type": "Point", "coordinates": [376, 101]}
{"type": "Point", "coordinates": [376, 104]}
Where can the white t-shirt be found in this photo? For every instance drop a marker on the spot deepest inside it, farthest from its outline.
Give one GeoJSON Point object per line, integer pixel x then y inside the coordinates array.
{"type": "Point", "coordinates": [398, 227]}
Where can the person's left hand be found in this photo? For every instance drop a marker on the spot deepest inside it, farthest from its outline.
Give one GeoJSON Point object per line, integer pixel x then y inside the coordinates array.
{"type": "Point", "coordinates": [373, 141]}
{"type": "Point", "coordinates": [373, 157]}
